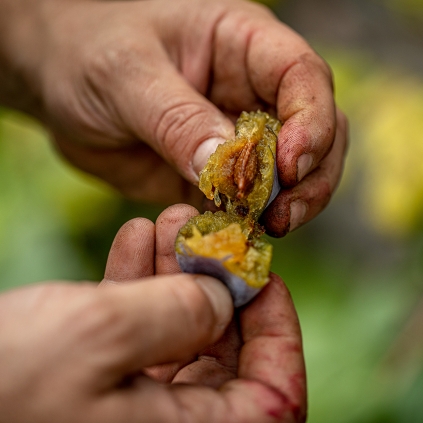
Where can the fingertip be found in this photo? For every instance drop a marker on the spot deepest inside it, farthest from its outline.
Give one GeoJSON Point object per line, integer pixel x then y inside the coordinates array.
{"type": "Point", "coordinates": [176, 215]}
{"type": "Point", "coordinates": [276, 217]}
{"type": "Point", "coordinates": [131, 255]}
{"type": "Point", "coordinates": [169, 222]}
{"type": "Point", "coordinates": [135, 233]}
{"type": "Point", "coordinates": [135, 227]}
{"type": "Point", "coordinates": [302, 147]}
{"type": "Point", "coordinates": [294, 155]}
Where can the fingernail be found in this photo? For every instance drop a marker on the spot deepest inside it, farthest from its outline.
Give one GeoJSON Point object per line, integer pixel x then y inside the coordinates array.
{"type": "Point", "coordinates": [303, 166]}
{"type": "Point", "coordinates": [204, 150]}
{"type": "Point", "coordinates": [298, 212]}
{"type": "Point", "coordinates": [220, 299]}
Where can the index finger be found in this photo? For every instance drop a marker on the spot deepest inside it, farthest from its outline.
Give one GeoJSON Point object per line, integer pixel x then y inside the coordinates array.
{"type": "Point", "coordinates": [286, 72]}
{"type": "Point", "coordinates": [132, 253]}
{"type": "Point", "coordinates": [167, 226]}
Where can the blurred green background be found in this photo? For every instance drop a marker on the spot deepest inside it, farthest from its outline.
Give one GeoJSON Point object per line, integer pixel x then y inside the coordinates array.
{"type": "Point", "coordinates": [356, 272]}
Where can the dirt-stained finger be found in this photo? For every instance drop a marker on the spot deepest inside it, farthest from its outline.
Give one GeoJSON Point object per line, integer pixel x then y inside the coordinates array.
{"type": "Point", "coordinates": [167, 226]}
{"type": "Point", "coordinates": [296, 206]}
{"type": "Point", "coordinates": [132, 253]}
{"type": "Point", "coordinates": [273, 350]}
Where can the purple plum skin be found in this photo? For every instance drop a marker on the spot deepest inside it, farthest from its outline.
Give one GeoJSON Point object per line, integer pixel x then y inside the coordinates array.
{"type": "Point", "coordinates": [240, 291]}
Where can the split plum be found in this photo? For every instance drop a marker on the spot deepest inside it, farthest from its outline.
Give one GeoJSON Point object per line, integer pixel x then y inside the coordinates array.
{"type": "Point", "coordinates": [241, 175]}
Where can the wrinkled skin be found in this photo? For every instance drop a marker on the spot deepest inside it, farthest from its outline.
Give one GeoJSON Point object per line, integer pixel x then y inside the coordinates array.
{"type": "Point", "coordinates": [140, 92]}
{"type": "Point", "coordinates": [77, 353]}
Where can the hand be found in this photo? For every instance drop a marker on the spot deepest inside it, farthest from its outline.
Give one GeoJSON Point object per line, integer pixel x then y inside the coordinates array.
{"type": "Point", "coordinates": [140, 92]}
{"type": "Point", "coordinates": [76, 353]}
{"type": "Point", "coordinates": [256, 368]}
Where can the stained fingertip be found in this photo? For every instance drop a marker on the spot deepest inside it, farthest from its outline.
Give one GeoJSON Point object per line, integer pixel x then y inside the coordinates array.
{"type": "Point", "coordinates": [306, 105]}
{"type": "Point", "coordinates": [293, 140]}
{"type": "Point", "coordinates": [276, 218]}
{"type": "Point", "coordinates": [176, 215]}
{"type": "Point", "coordinates": [132, 253]}
{"type": "Point", "coordinates": [296, 206]}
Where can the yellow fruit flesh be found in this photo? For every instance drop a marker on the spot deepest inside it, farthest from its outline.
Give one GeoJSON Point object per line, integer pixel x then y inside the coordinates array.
{"type": "Point", "coordinates": [217, 176]}
{"type": "Point", "coordinates": [233, 237]}
{"type": "Point", "coordinates": [227, 244]}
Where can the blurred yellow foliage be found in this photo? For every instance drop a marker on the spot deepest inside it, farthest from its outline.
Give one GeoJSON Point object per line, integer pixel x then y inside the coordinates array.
{"type": "Point", "coordinates": [385, 110]}
{"type": "Point", "coordinates": [393, 153]}
{"type": "Point", "coordinates": [411, 8]}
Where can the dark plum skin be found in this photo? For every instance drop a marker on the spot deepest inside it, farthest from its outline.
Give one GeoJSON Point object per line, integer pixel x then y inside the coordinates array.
{"type": "Point", "coordinates": [241, 292]}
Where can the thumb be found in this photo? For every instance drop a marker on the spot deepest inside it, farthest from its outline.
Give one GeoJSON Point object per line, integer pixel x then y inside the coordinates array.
{"type": "Point", "coordinates": [162, 319]}
{"type": "Point", "coordinates": [176, 120]}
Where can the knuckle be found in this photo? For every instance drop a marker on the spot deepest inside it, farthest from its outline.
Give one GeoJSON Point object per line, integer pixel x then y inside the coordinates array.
{"type": "Point", "coordinates": [256, 9]}
{"type": "Point", "coordinates": [83, 101]}
{"type": "Point", "coordinates": [313, 62]}
{"type": "Point", "coordinates": [325, 193]}
{"type": "Point", "coordinates": [181, 121]}
{"type": "Point", "coordinates": [316, 191]}
{"type": "Point", "coordinates": [320, 195]}
{"type": "Point", "coordinates": [325, 68]}
{"type": "Point", "coordinates": [298, 130]}
{"type": "Point", "coordinates": [297, 139]}
{"type": "Point", "coordinates": [105, 66]}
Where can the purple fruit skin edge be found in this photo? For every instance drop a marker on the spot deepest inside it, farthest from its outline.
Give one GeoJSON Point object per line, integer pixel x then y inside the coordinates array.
{"type": "Point", "coordinates": [241, 292]}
